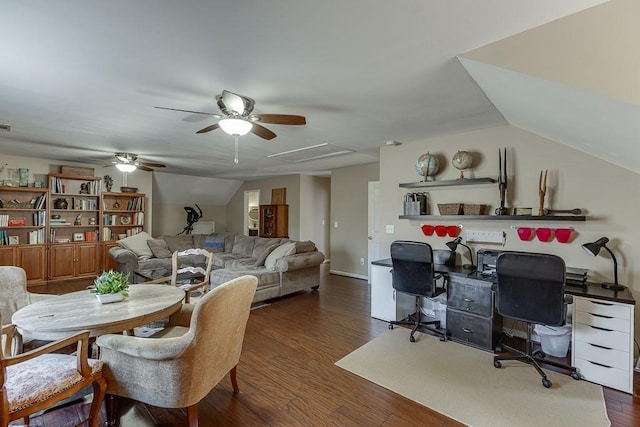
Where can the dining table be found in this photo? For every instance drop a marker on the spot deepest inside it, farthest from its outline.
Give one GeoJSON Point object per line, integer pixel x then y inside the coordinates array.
{"type": "Point", "coordinates": [58, 318]}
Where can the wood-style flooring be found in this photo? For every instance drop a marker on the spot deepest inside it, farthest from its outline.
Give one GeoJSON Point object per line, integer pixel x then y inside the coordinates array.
{"type": "Point", "coordinates": [287, 375]}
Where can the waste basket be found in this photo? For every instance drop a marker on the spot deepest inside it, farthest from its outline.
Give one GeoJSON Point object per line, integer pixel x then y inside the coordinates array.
{"type": "Point", "coordinates": [554, 340]}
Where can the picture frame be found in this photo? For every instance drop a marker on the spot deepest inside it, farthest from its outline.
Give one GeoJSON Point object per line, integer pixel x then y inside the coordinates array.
{"type": "Point", "coordinates": [78, 237]}
{"type": "Point", "coordinates": [14, 240]}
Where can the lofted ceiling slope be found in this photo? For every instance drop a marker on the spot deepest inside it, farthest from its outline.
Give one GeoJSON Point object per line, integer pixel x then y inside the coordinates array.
{"type": "Point", "coordinates": [78, 82]}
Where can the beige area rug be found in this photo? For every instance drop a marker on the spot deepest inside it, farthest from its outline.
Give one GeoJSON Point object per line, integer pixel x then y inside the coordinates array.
{"type": "Point", "coordinates": [461, 382]}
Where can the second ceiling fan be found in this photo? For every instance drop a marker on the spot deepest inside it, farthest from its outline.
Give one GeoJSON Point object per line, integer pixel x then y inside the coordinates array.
{"type": "Point", "coordinates": [237, 117]}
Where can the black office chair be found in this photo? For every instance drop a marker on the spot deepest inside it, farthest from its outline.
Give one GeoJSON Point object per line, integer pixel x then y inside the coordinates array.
{"type": "Point", "coordinates": [531, 289]}
{"type": "Point", "coordinates": [413, 274]}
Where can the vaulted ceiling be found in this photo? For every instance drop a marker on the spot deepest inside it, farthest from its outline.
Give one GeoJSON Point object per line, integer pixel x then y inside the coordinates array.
{"type": "Point", "coordinates": [79, 81]}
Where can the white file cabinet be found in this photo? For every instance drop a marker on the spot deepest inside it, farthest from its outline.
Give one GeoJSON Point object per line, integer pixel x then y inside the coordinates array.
{"type": "Point", "coordinates": [386, 304]}
{"type": "Point", "coordinates": [602, 347]}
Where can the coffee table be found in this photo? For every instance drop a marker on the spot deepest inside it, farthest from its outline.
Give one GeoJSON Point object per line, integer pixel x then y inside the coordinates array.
{"type": "Point", "coordinates": [57, 318]}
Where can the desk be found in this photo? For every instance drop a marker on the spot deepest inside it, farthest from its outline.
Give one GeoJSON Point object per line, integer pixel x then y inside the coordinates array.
{"type": "Point", "coordinates": [602, 322]}
{"type": "Point", "coordinates": [57, 318]}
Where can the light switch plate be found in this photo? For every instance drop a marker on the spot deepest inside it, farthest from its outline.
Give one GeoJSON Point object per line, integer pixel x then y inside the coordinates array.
{"type": "Point", "coordinates": [484, 236]}
{"type": "Point", "coordinates": [390, 229]}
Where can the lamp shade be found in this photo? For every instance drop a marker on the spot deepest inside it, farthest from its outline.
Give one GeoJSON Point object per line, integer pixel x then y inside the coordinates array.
{"type": "Point", "coordinates": [125, 167]}
{"type": "Point", "coordinates": [235, 126]}
{"type": "Point", "coordinates": [453, 245]}
{"type": "Point", "coordinates": [593, 248]}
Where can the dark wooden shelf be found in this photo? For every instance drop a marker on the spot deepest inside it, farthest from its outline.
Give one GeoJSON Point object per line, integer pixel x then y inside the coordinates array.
{"type": "Point", "coordinates": [496, 217]}
{"type": "Point", "coordinates": [449, 183]}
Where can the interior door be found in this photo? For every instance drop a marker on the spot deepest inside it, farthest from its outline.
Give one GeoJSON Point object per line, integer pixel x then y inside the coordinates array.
{"type": "Point", "coordinates": [373, 224]}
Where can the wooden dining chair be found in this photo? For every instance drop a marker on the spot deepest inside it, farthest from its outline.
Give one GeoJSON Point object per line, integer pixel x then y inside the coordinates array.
{"type": "Point", "coordinates": [185, 263]}
{"type": "Point", "coordinates": [40, 378]}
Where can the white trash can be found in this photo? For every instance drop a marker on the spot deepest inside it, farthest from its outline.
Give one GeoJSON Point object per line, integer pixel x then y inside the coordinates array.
{"type": "Point", "coordinates": [554, 340]}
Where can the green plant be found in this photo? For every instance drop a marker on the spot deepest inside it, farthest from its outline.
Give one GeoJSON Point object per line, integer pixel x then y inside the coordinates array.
{"type": "Point", "coordinates": [111, 282]}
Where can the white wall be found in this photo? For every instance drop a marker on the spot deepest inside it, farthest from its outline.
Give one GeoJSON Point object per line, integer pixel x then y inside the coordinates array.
{"type": "Point", "coordinates": [608, 195]}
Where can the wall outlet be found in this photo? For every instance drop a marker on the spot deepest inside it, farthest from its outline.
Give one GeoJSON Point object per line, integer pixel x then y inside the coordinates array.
{"type": "Point", "coordinates": [485, 236]}
{"type": "Point", "coordinates": [390, 229]}
{"type": "Point", "coordinates": [361, 261]}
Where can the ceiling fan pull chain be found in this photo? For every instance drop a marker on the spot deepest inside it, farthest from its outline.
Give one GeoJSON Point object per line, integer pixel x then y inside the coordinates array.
{"type": "Point", "coordinates": [235, 159]}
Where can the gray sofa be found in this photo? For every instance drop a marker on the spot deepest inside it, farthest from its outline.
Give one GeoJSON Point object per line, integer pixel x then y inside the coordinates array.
{"type": "Point", "coordinates": [282, 266]}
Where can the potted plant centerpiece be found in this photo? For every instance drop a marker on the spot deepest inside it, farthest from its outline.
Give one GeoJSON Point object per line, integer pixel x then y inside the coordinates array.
{"type": "Point", "coordinates": [111, 286]}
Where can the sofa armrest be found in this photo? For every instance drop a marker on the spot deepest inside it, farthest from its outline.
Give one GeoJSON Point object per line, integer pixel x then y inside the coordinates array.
{"type": "Point", "coordinates": [299, 261]}
{"type": "Point", "coordinates": [126, 260]}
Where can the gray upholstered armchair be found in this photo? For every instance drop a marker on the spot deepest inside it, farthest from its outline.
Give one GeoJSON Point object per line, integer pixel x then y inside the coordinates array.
{"type": "Point", "coordinates": [180, 365]}
{"type": "Point", "coordinates": [14, 296]}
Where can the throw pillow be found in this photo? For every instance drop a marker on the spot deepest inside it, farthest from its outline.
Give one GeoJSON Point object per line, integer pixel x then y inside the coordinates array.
{"type": "Point", "coordinates": [283, 250]}
{"type": "Point", "coordinates": [137, 244]}
{"type": "Point", "coordinates": [159, 248]}
{"type": "Point", "coordinates": [263, 256]}
{"type": "Point", "coordinates": [307, 246]}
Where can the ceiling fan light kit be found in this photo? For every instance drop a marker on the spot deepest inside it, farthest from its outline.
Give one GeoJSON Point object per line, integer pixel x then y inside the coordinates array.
{"type": "Point", "coordinates": [235, 126]}
{"type": "Point", "coordinates": [126, 167]}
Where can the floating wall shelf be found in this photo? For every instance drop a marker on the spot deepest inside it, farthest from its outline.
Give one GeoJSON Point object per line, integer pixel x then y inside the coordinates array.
{"type": "Point", "coordinates": [496, 217]}
{"type": "Point", "coordinates": [449, 183]}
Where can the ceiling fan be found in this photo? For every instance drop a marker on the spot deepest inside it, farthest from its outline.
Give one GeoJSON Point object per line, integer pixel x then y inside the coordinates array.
{"type": "Point", "coordinates": [128, 162]}
{"type": "Point", "coordinates": [237, 117]}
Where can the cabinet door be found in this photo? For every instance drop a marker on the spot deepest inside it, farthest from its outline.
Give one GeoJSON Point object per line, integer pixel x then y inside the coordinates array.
{"type": "Point", "coordinates": [61, 261]}
{"type": "Point", "coordinates": [386, 304]}
{"type": "Point", "coordinates": [88, 256]}
{"type": "Point", "coordinates": [7, 256]}
{"type": "Point", "coordinates": [32, 260]}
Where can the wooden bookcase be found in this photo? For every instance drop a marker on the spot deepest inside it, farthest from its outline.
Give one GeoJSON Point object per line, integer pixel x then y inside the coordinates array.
{"type": "Point", "coordinates": [123, 215]}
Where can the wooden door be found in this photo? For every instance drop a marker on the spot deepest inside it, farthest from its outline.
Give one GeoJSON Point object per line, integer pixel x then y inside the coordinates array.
{"type": "Point", "coordinates": [62, 261]}
{"type": "Point", "coordinates": [88, 257]}
{"type": "Point", "coordinates": [32, 260]}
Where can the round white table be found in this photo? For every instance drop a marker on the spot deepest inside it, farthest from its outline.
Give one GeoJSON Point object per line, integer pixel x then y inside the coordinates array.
{"type": "Point", "coordinates": [57, 318]}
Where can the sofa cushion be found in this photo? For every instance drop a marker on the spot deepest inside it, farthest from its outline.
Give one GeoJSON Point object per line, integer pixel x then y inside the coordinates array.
{"type": "Point", "coordinates": [283, 250]}
{"type": "Point", "coordinates": [243, 245]}
{"type": "Point", "coordinates": [159, 248]}
{"type": "Point", "coordinates": [265, 253]}
{"type": "Point", "coordinates": [137, 244]}
{"type": "Point", "coordinates": [179, 243]}
{"type": "Point", "coordinates": [265, 277]}
{"type": "Point", "coordinates": [214, 243]}
{"type": "Point", "coordinates": [263, 243]}
{"type": "Point", "coordinates": [307, 246]}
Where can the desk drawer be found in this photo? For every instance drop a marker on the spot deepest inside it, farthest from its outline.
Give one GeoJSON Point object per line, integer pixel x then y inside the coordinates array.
{"type": "Point", "coordinates": [470, 329]}
{"type": "Point", "coordinates": [607, 376]}
{"type": "Point", "coordinates": [602, 321]}
{"type": "Point", "coordinates": [604, 308]}
{"type": "Point", "coordinates": [471, 296]}
{"type": "Point", "coordinates": [605, 356]}
{"type": "Point", "coordinates": [605, 338]}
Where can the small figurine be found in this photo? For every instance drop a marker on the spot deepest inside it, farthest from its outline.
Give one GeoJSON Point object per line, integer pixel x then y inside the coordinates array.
{"type": "Point", "coordinates": [108, 182]}
{"type": "Point", "coordinates": [77, 221]}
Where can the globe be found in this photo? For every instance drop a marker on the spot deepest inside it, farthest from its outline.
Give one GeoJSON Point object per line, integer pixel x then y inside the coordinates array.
{"type": "Point", "coordinates": [462, 160]}
{"type": "Point", "coordinates": [427, 165]}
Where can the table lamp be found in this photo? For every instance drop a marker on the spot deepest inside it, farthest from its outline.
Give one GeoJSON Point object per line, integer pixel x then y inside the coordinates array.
{"type": "Point", "coordinates": [453, 245]}
{"type": "Point", "coordinates": [593, 249]}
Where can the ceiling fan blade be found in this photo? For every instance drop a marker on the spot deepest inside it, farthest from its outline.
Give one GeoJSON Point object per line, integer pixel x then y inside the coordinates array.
{"type": "Point", "coordinates": [144, 168]}
{"type": "Point", "coordinates": [262, 131]}
{"type": "Point", "coordinates": [281, 119]}
{"type": "Point", "coordinates": [209, 128]}
{"type": "Point", "coordinates": [153, 165]}
{"type": "Point", "coordinates": [189, 111]}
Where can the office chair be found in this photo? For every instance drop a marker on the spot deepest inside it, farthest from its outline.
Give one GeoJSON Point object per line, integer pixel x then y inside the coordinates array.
{"type": "Point", "coordinates": [413, 274]}
{"type": "Point", "coordinates": [531, 289]}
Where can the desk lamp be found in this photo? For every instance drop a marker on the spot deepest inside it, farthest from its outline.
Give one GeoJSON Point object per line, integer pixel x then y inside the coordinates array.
{"type": "Point", "coordinates": [593, 249]}
{"type": "Point", "coordinates": [453, 245]}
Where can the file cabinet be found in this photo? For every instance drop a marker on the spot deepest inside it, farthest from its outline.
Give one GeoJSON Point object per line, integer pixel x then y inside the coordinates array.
{"type": "Point", "coordinates": [602, 347]}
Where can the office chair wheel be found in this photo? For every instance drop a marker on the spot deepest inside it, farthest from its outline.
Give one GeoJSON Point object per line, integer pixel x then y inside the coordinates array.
{"type": "Point", "coordinates": [390, 326]}
{"type": "Point", "coordinates": [412, 338]}
{"type": "Point", "coordinates": [575, 375]}
{"type": "Point", "coordinates": [497, 364]}
{"type": "Point", "coordinates": [546, 383]}
{"type": "Point", "coordinates": [499, 348]}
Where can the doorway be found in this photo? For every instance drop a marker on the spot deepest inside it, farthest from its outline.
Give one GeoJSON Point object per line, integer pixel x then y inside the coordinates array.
{"type": "Point", "coordinates": [251, 212]}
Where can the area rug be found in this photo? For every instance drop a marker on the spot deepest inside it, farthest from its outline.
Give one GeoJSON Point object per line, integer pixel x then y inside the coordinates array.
{"type": "Point", "coordinates": [461, 382]}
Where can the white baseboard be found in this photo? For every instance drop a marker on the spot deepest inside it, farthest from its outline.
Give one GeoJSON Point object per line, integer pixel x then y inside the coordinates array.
{"type": "Point", "coordinates": [344, 273]}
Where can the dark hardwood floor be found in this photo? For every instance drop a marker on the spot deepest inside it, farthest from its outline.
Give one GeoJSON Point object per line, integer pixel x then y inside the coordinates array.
{"type": "Point", "coordinates": [287, 375]}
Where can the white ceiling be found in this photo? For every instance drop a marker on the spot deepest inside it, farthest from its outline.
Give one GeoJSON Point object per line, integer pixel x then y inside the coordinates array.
{"type": "Point", "coordinates": [78, 80]}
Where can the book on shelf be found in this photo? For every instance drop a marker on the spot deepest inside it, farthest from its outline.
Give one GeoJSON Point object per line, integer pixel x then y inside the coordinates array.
{"type": "Point", "coordinates": [17, 222]}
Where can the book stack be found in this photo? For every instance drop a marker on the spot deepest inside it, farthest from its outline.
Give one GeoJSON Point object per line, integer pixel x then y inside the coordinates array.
{"type": "Point", "coordinates": [4, 220]}
{"type": "Point", "coordinates": [90, 236]}
{"type": "Point", "coordinates": [17, 222]}
{"type": "Point", "coordinates": [577, 276]}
